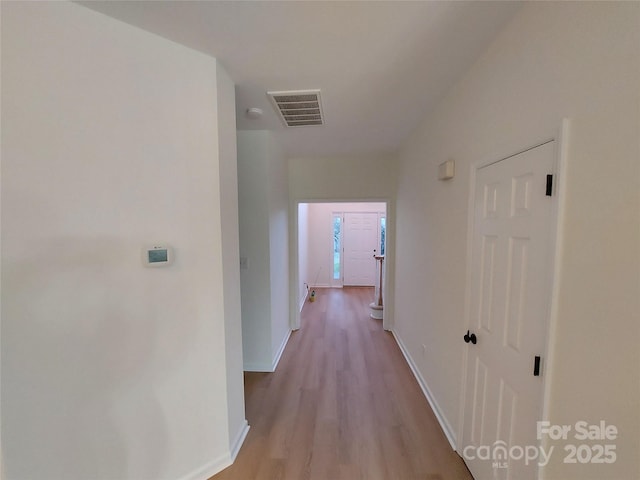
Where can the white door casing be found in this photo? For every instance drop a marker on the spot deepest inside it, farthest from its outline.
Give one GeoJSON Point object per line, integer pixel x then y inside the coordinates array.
{"type": "Point", "coordinates": [510, 295]}
{"type": "Point", "coordinates": [360, 243]}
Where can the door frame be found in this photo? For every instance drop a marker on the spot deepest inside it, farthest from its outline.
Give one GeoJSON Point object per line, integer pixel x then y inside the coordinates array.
{"type": "Point", "coordinates": [561, 139]}
{"type": "Point", "coordinates": [294, 268]}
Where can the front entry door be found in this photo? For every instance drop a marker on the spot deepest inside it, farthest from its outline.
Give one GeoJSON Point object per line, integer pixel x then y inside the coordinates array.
{"type": "Point", "coordinates": [509, 309]}
{"type": "Point", "coordinates": [360, 245]}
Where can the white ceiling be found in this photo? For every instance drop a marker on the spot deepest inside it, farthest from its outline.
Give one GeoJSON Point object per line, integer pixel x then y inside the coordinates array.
{"type": "Point", "coordinates": [381, 65]}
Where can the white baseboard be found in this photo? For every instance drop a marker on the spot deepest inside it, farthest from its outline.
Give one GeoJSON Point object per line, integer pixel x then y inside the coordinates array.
{"type": "Point", "coordinates": [209, 469]}
{"type": "Point", "coordinates": [278, 355]}
{"type": "Point", "coordinates": [257, 367]}
{"type": "Point", "coordinates": [304, 300]}
{"type": "Point", "coordinates": [239, 440]}
{"type": "Point", "coordinates": [265, 367]}
{"type": "Point", "coordinates": [442, 420]}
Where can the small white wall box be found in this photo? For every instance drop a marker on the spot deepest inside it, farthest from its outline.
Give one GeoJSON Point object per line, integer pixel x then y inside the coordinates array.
{"type": "Point", "coordinates": [446, 170]}
{"type": "Point", "coordinates": [157, 256]}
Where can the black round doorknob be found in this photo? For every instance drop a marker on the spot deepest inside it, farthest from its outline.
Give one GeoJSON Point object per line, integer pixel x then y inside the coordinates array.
{"type": "Point", "coordinates": [470, 337]}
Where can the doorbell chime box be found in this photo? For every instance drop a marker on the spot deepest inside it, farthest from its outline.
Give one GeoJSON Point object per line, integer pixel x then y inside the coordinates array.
{"type": "Point", "coordinates": [446, 170]}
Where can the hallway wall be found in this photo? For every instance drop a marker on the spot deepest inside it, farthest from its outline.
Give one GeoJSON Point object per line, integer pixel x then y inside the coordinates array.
{"type": "Point", "coordinates": [264, 237]}
{"type": "Point", "coordinates": [111, 141]}
{"type": "Point", "coordinates": [303, 254]}
{"type": "Point", "coordinates": [554, 60]}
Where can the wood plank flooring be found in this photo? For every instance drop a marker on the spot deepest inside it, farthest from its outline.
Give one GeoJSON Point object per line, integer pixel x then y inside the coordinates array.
{"type": "Point", "coordinates": [342, 405]}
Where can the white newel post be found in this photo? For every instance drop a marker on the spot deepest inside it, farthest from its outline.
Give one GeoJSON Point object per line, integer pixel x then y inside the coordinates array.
{"type": "Point", "coordinates": [376, 306]}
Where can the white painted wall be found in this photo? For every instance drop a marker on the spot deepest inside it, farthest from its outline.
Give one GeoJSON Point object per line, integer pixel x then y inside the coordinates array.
{"type": "Point", "coordinates": [263, 207]}
{"type": "Point", "coordinates": [554, 60]}
{"type": "Point", "coordinates": [303, 255]}
{"type": "Point", "coordinates": [254, 246]}
{"type": "Point", "coordinates": [279, 248]}
{"type": "Point", "coordinates": [227, 150]}
{"type": "Point", "coordinates": [111, 140]}
{"type": "Point", "coordinates": [320, 246]}
{"type": "Point", "coordinates": [341, 179]}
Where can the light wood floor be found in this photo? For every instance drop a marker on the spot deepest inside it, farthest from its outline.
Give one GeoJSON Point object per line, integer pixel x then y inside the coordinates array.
{"type": "Point", "coordinates": [342, 405]}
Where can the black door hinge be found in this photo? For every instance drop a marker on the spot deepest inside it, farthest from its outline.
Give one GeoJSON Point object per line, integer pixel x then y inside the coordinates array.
{"type": "Point", "coordinates": [536, 366]}
{"type": "Point", "coordinates": [549, 184]}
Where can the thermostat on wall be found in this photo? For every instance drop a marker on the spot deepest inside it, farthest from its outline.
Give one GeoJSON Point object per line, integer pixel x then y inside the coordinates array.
{"type": "Point", "coordinates": [157, 256]}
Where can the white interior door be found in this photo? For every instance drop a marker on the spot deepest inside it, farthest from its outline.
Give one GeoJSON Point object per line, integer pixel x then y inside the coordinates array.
{"type": "Point", "coordinates": [510, 300]}
{"type": "Point", "coordinates": [360, 244]}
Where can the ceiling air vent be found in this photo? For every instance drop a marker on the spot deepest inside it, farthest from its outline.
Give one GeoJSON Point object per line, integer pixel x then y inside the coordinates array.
{"type": "Point", "coordinates": [298, 108]}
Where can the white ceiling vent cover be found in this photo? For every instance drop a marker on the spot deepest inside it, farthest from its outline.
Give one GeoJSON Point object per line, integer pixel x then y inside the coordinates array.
{"type": "Point", "coordinates": [298, 108]}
